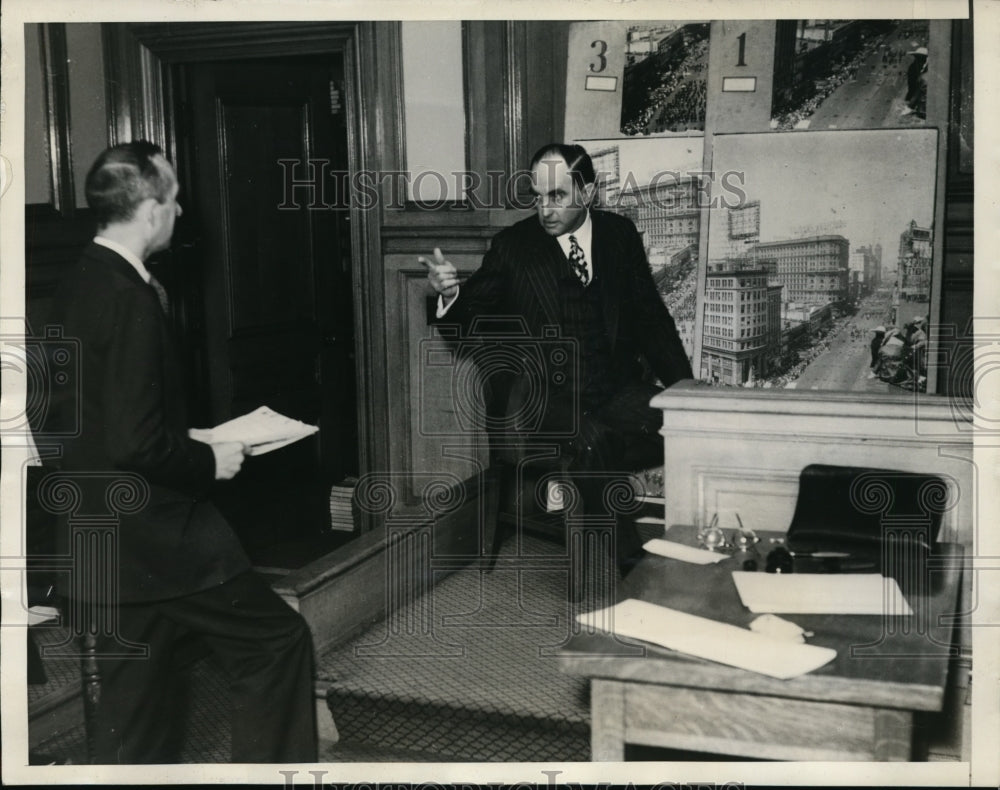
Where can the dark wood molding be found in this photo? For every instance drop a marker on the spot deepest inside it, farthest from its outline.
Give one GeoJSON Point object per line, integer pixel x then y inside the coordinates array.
{"type": "Point", "coordinates": [368, 149]}
{"type": "Point", "coordinates": [515, 52]}
{"type": "Point", "coordinates": [471, 66]}
{"type": "Point", "coordinates": [56, 87]}
{"type": "Point", "coordinates": [955, 321]}
{"type": "Point", "coordinates": [181, 42]}
{"type": "Point", "coordinates": [478, 126]}
{"type": "Point", "coordinates": [452, 245]}
{"type": "Point", "coordinates": [961, 110]}
{"type": "Point", "coordinates": [117, 69]}
{"type": "Point", "coordinates": [387, 38]}
{"type": "Point", "coordinates": [139, 90]}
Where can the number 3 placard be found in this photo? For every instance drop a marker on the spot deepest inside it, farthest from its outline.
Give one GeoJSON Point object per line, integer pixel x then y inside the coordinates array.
{"type": "Point", "coordinates": [594, 71]}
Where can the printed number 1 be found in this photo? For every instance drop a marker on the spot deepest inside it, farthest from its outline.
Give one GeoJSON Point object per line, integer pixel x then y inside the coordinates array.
{"type": "Point", "coordinates": [743, 49]}
{"type": "Point", "coordinates": [600, 55]}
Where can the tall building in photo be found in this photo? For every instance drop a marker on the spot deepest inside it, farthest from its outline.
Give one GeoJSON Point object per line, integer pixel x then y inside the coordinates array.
{"type": "Point", "coordinates": [785, 51]}
{"type": "Point", "coordinates": [741, 335]}
{"type": "Point", "coordinates": [872, 264]}
{"type": "Point", "coordinates": [607, 168]}
{"type": "Point", "coordinates": [913, 265]}
{"type": "Point", "coordinates": [773, 334]}
{"type": "Point", "coordinates": [742, 229]}
{"type": "Point", "coordinates": [813, 269]}
{"type": "Point", "coordinates": [667, 214]}
{"type": "Point", "coordinates": [856, 282]}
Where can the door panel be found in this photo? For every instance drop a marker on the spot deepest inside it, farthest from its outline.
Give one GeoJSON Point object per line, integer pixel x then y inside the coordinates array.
{"type": "Point", "coordinates": [276, 279]}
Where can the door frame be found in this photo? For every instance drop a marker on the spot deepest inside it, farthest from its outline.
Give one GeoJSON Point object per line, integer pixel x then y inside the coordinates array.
{"type": "Point", "coordinates": [140, 100]}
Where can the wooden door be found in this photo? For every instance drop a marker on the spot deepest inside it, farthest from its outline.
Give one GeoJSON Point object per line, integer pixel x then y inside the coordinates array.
{"type": "Point", "coordinates": [267, 229]}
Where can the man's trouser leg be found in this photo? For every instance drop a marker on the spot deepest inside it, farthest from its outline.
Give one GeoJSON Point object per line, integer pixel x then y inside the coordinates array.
{"type": "Point", "coordinates": [263, 645]}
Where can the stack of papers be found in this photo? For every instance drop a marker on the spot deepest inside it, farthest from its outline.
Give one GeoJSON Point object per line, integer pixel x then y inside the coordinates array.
{"type": "Point", "coordinates": [704, 638]}
{"type": "Point", "coordinates": [821, 593]}
{"type": "Point", "coordinates": [262, 430]}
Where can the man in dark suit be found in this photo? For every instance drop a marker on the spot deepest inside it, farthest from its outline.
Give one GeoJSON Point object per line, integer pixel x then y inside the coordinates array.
{"type": "Point", "coordinates": [585, 273]}
{"type": "Point", "coordinates": [180, 569]}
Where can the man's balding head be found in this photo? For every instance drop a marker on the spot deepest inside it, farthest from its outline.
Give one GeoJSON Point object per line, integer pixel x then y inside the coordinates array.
{"type": "Point", "coordinates": [123, 177]}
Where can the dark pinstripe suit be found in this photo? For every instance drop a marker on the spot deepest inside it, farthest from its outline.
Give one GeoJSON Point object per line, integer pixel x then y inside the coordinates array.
{"type": "Point", "coordinates": [522, 277]}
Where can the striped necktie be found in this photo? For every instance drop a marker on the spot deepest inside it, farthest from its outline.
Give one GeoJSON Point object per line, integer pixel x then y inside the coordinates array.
{"type": "Point", "coordinates": [578, 261]}
{"type": "Point", "coordinates": [161, 294]}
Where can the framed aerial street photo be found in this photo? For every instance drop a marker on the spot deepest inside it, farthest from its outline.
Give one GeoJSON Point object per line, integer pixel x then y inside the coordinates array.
{"type": "Point", "coordinates": [323, 464]}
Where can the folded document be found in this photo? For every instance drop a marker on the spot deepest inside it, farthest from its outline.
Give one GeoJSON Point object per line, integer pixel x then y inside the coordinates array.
{"type": "Point", "coordinates": [263, 430]}
{"type": "Point", "coordinates": [704, 638]}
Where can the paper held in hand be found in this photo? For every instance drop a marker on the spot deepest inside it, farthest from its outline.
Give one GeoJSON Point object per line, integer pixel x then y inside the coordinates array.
{"type": "Point", "coordinates": [263, 430]}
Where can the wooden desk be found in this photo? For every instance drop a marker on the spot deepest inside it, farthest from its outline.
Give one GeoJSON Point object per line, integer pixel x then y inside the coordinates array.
{"type": "Point", "coordinates": [858, 707]}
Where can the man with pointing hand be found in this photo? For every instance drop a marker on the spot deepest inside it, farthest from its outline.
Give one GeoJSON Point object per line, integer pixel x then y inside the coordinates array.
{"type": "Point", "coordinates": [583, 272]}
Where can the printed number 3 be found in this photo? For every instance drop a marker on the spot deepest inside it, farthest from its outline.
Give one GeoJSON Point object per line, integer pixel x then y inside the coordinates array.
{"type": "Point", "coordinates": [600, 55]}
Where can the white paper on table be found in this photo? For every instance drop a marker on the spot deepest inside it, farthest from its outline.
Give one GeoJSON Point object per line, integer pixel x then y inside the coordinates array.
{"type": "Point", "coordinates": [821, 593]}
{"type": "Point", "coordinates": [704, 638]}
{"type": "Point", "coordinates": [678, 551]}
{"type": "Point", "coordinates": [263, 430]}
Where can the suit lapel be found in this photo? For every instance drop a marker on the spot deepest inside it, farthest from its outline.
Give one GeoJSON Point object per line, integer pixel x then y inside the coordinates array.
{"type": "Point", "coordinates": [602, 250]}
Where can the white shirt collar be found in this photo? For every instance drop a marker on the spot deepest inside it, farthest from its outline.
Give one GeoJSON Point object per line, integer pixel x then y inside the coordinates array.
{"type": "Point", "coordinates": [583, 235]}
{"type": "Point", "coordinates": [126, 253]}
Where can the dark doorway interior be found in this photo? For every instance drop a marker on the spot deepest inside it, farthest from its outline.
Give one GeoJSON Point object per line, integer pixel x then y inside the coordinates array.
{"type": "Point", "coordinates": [265, 273]}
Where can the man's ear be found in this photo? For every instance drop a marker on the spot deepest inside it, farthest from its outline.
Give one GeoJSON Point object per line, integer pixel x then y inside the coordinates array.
{"type": "Point", "coordinates": [588, 193]}
{"type": "Point", "coordinates": [144, 212]}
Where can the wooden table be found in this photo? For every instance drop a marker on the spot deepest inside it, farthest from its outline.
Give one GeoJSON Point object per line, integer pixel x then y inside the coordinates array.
{"type": "Point", "coordinates": [858, 707]}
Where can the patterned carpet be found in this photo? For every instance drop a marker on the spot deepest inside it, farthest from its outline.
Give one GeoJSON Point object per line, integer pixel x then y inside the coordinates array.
{"type": "Point", "coordinates": [468, 672]}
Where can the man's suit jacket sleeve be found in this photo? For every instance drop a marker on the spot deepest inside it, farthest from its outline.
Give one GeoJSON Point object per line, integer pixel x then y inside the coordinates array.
{"type": "Point", "coordinates": [485, 292]}
{"type": "Point", "coordinates": [661, 344]}
{"type": "Point", "coordinates": [139, 433]}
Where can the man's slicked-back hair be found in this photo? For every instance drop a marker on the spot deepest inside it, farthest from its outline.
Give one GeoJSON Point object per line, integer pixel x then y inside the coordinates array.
{"type": "Point", "coordinates": [124, 176]}
{"type": "Point", "coordinates": [581, 167]}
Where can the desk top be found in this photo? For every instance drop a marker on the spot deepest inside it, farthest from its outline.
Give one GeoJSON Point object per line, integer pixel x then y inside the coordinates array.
{"type": "Point", "coordinates": [893, 662]}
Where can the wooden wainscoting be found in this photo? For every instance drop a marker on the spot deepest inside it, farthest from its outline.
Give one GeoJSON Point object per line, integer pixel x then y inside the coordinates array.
{"type": "Point", "coordinates": [745, 448]}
